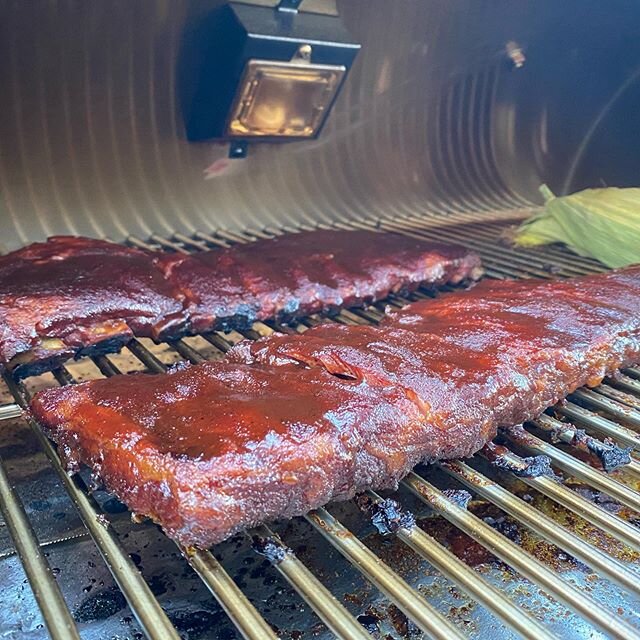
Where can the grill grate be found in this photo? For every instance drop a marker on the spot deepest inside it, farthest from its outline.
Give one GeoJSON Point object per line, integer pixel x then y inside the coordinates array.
{"type": "Point", "coordinates": [612, 410]}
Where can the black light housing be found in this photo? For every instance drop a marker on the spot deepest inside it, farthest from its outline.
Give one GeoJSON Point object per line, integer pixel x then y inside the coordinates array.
{"type": "Point", "coordinates": [262, 74]}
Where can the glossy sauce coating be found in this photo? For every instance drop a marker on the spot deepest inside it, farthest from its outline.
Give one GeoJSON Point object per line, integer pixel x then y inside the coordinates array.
{"type": "Point", "coordinates": [79, 292]}
{"type": "Point", "coordinates": [72, 296]}
{"type": "Point", "coordinates": [492, 356]}
{"type": "Point", "coordinates": [308, 272]}
{"type": "Point", "coordinates": [208, 450]}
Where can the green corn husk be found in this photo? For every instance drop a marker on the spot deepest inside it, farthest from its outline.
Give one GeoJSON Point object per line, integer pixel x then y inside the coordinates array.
{"type": "Point", "coordinates": [597, 223]}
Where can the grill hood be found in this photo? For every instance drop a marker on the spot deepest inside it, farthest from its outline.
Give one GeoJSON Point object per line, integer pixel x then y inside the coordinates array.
{"type": "Point", "coordinates": [436, 116]}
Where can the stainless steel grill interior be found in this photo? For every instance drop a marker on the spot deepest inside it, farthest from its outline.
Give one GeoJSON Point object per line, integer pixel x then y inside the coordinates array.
{"type": "Point", "coordinates": [559, 559]}
{"type": "Point", "coordinates": [454, 113]}
{"type": "Point", "coordinates": [435, 116]}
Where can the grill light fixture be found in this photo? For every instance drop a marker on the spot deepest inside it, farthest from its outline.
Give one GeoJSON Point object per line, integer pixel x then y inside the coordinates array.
{"type": "Point", "coordinates": [283, 99]}
{"type": "Point", "coordinates": [264, 74]}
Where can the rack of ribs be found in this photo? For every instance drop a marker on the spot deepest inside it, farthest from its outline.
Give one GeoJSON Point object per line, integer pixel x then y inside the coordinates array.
{"type": "Point", "coordinates": [74, 296]}
{"type": "Point", "coordinates": [475, 360]}
{"type": "Point", "coordinates": [208, 450]}
{"type": "Point", "coordinates": [310, 272]}
{"type": "Point", "coordinates": [293, 421]}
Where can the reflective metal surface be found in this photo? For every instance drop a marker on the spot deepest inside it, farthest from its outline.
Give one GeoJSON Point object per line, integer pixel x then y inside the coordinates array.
{"type": "Point", "coordinates": [453, 114]}
{"type": "Point", "coordinates": [334, 575]}
{"type": "Point", "coordinates": [435, 116]}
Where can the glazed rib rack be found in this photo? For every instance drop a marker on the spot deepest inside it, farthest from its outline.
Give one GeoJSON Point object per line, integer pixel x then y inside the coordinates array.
{"type": "Point", "coordinates": [583, 439]}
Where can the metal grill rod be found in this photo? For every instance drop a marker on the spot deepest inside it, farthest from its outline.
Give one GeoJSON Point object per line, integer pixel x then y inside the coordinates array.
{"type": "Point", "coordinates": [464, 576]}
{"type": "Point", "coordinates": [598, 423]}
{"type": "Point", "coordinates": [200, 235]}
{"type": "Point", "coordinates": [537, 521]}
{"type": "Point", "coordinates": [523, 562]}
{"type": "Point", "coordinates": [574, 467]}
{"type": "Point", "coordinates": [626, 380]}
{"type": "Point", "coordinates": [55, 612]}
{"type": "Point", "coordinates": [314, 593]}
{"type": "Point", "coordinates": [473, 237]}
{"type": "Point", "coordinates": [408, 600]}
{"type": "Point", "coordinates": [237, 606]}
{"type": "Point", "coordinates": [241, 612]}
{"type": "Point", "coordinates": [596, 515]}
{"type": "Point", "coordinates": [634, 371]}
{"type": "Point", "coordinates": [198, 245]}
{"type": "Point", "coordinates": [168, 244]}
{"type": "Point", "coordinates": [620, 396]}
{"type": "Point", "coordinates": [144, 605]}
{"type": "Point", "coordinates": [9, 411]}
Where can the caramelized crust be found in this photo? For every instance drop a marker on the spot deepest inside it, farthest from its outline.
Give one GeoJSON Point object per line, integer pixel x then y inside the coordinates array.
{"type": "Point", "coordinates": [64, 296]}
{"type": "Point", "coordinates": [211, 449]}
{"type": "Point", "coordinates": [289, 423]}
{"type": "Point", "coordinates": [309, 272]}
{"type": "Point", "coordinates": [475, 360]}
{"type": "Point", "coordinates": [76, 296]}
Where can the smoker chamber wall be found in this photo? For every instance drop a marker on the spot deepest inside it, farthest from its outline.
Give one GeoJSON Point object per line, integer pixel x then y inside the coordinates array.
{"type": "Point", "coordinates": [434, 117]}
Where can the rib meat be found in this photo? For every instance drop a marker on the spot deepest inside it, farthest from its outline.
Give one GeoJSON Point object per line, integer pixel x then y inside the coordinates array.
{"type": "Point", "coordinates": [291, 422]}
{"type": "Point", "coordinates": [475, 360]}
{"type": "Point", "coordinates": [304, 273]}
{"type": "Point", "coordinates": [208, 450]}
{"type": "Point", "coordinates": [73, 295]}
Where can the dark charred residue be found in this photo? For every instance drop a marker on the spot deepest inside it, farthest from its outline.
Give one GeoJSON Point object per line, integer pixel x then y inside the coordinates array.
{"type": "Point", "coordinates": [460, 497]}
{"type": "Point", "coordinates": [402, 625]}
{"type": "Point", "coordinates": [113, 506]}
{"type": "Point", "coordinates": [353, 598]}
{"type": "Point", "coordinates": [95, 482]}
{"type": "Point", "coordinates": [181, 365]}
{"type": "Point", "coordinates": [529, 467]}
{"type": "Point", "coordinates": [600, 498]}
{"type": "Point", "coordinates": [137, 559]}
{"type": "Point", "coordinates": [369, 622]}
{"type": "Point", "coordinates": [536, 466]}
{"type": "Point", "coordinates": [194, 625]}
{"type": "Point", "coordinates": [272, 549]}
{"type": "Point", "coordinates": [103, 520]}
{"type": "Point", "coordinates": [158, 585]}
{"type": "Point", "coordinates": [456, 541]}
{"type": "Point", "coordinates": [611, 456]}
{"type": "Point", "coordinates": [39, 505]}
{"type": "Point", "coordinates": [387, 516]}
{"type": "Point", "coordinates": [100, 605]}
{"type": "Point", "coordinates": [506, 527]}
